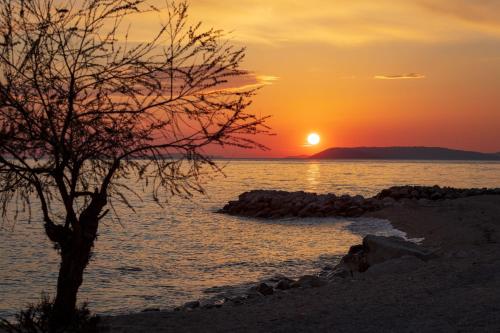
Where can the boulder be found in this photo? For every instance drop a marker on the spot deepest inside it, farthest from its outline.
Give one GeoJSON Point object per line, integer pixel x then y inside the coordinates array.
{"type": "Point", "coordinates": [388, 201]}
{"type": "Point", "coordinates": [374, 251]}
{"type": "Point", "coordinates": [358, 199]}
{"type": "Point", "coordinates": [151, 310]}
{"type": "Point", "coordinates": [354, 211]}
{"type": "Point", "coordinates": [378, 249]}
{"type": "Point", "coordinates": [354, 262]}
{"type": "Point", "coordinates": [436, 196]}
{"type": "Point", "coordinates": [238, 300]}
{"type": "Point", "coordinates": [264, 289]}
{"type": "Point", "coordinates": [284, 284]}
{"type": "Point", "coordinates": [191, 305]}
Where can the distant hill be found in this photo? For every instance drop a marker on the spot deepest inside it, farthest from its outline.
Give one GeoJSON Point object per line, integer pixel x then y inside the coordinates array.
{"type": "Point", "coordinates": [296, 157]}
{"type": "Point", "coordinates": [404, 153]}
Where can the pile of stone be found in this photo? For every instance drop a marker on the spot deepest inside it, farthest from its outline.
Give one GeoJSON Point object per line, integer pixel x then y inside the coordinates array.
{"type": "Point", "coordinates": [278, 283]}
{"type": "Point", "coordinates": [433, 192]}
{"type": "Point", "coordinates": [281, 282]}
{"type": "Point", "coordinates": [281, 204]}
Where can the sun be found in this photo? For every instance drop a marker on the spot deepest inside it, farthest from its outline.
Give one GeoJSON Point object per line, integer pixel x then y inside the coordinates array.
{"type": "Point", "coordinates": [313, 139]}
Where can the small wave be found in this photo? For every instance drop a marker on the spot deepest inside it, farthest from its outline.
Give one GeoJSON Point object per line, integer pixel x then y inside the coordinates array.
{"type": "Point", "coordinates": [129, 269]}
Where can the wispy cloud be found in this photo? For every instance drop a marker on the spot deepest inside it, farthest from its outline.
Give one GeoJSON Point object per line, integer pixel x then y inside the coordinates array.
{"type": "Point", "coordinates": [478, 11]}
{"type": "Point", "coordinates": [341, 22]}
{"type": "Point", "coordinates": [347, 22]}
{"type": "Point", "coordinates": [248, 81]}
{"type": "Point", "coordinates": [408, 76]}
{"type": "Point", "coordinates": [266, 79]}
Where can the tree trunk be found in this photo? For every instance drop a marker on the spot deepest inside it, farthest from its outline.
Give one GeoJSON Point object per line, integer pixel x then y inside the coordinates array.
{"type": "Point", "coordinates": [75, 255]}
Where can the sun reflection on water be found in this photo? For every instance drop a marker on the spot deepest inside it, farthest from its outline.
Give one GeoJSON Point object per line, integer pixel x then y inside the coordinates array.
{"type": "Point", "coordinates": [312, 176]}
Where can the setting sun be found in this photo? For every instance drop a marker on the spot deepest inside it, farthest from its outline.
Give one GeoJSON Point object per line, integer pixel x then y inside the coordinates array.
{"type": "Point", "coordinates": [313, 139]}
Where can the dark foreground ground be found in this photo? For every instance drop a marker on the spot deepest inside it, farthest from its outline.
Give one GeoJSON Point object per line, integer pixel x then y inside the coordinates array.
{"type": "Point", "coordinates": [459, 290]}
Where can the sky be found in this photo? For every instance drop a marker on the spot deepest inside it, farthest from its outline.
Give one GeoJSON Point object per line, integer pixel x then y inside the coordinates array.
{"type": "Point", "coordinates": [368, 73]}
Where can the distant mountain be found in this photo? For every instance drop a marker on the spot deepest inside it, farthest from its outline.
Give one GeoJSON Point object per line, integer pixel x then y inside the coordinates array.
{"type": "Point", "coordinates": [404, 153]}
{"type": "Point", "coordinates": [296, 157]}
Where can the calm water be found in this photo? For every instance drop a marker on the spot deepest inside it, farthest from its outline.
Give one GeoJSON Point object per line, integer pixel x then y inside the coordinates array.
{"type": "Point", "coordinates": [162, 257]}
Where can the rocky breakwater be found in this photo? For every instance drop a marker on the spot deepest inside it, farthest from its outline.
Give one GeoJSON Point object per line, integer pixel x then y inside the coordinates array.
{"type": "Point", "coordinates": [281, 204]}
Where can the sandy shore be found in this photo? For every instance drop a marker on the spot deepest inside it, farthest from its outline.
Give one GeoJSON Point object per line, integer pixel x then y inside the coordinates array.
{"type": "Point", "coordinates": [459, 290]}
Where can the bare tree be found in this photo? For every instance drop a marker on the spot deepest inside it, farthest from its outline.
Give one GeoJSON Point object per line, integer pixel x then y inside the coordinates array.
{"type": "Point", "coordinates": [82, 110]}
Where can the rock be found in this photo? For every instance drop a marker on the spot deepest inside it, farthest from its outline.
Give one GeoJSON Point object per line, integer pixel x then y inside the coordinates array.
{"type": "Point", "coordinates": [221, 301]}
{"type": "Point", "coordinates": [355, 262]}
{"type": "Point", "coordinates": [284, 284]}
{"type": "Point", "coordinates": [308, 281]}
{"type": "Point", "coordinates": [358, 199]}
{"type": "Point", "coordinates": [151, 310]}
{"type": "Point", "coordinates": [354, 211]}
{"type": "Point", "coordinates": [278, 277]}
{"type": "Point", "coordinates": [436, 196]}
{"type": "Point", "coordinates": [354, 249]}
{"type": "Point", "coordinates": [406, 202]}
{"type": "Point", "coordinates": [388, 201]}
{"type": "Point", "coordinates": [264, 213]}
{"type": "Point", "coordinates": [372, 204]}
{"type": "Point", "coordinates": [191, 305]}
{"type": "Point", "coordinates": [264, 289]}
{"type": "Point", "coordinates": [373, 251]}
{"type": "Point", "coordinates": [379, 249]}
{"type": "Point", "coordinates": [238, 300]}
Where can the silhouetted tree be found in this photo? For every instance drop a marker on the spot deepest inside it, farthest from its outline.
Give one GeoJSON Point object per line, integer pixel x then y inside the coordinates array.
{"type": "Point", "coordinates": [82, 111]}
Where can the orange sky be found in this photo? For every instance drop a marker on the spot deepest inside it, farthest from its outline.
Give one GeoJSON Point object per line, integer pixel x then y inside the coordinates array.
{"type": "Point", "coordinates": [369, 73]}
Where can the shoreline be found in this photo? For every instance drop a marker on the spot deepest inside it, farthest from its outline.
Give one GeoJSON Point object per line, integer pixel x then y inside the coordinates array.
{"type": "Point", "coordinates": [463, 232]}
{"type": "Point", "coordinates": [219, 295]}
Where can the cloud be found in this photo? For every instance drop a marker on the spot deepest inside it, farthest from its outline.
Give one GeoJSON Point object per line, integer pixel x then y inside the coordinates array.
{"type": "Point", "coordinates": [248, 80]}
{"type": "Point", "coordinates": [347, 22]}
{"type": "Point", "coordinates": [479, 11]}
{"type": "Point", "coordinates": [266, 79]}
{"type": "Point", "coordinates": [408, 76]}
{"type": "Point", "coordinates": [340, 22]}
{"type": "Point", "coordinates": [245, 81]}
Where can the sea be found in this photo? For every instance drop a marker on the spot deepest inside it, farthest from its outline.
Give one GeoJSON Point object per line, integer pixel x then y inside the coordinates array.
{"type": "Point", "coordinates": [161, 257]}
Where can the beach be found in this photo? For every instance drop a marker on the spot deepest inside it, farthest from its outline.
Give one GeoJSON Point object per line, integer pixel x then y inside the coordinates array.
{"type": "Point", "coordinates": [456, 290]}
